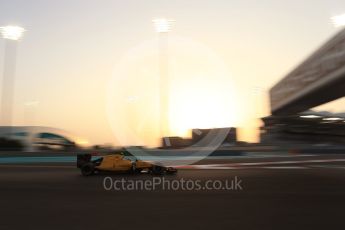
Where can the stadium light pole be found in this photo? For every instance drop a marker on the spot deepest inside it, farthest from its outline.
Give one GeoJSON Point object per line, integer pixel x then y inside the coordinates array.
{"type": "Point", "coordinates": [11, 34]}
{"type": "Point", "coordinates": [163, 27]}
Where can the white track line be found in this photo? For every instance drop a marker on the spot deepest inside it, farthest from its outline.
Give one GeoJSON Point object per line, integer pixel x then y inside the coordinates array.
{"type": "Point", "coordinates": [285, 167]}
{"type": "Point", "coordinates": [267, 165]}
{"type": "Point", "coordinates": [287, 162]}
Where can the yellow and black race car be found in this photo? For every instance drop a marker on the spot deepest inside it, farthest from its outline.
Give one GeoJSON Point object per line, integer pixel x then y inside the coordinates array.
{"type": "Point", "coordinates": [119, 163]}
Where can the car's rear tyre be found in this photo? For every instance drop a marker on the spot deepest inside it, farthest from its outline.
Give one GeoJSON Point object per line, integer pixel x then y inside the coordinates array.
{"type": "Point", "coordinates": [158, 170]}
{"type": "Point", "coordinates": [134, 168]}
{"type": "Point", "coordinates": [87, 169]}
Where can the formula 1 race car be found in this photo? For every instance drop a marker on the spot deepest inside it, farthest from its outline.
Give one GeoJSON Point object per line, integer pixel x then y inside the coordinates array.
{"type": "Point", "coordinates": [119, 163]}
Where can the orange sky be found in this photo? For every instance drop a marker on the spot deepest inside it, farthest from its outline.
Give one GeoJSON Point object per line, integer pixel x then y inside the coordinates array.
{"type": "Point", "coordinates": [224, 56]}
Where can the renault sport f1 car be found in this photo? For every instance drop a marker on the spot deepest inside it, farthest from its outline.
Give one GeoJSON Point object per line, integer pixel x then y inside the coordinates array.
{"type": "Point", "coordinates": [118, 163]}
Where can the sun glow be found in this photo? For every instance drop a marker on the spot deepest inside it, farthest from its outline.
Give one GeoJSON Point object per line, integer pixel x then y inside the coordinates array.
{"type": "Point", "coordinates": [199, 105]}
{"type": "Point", "coordinates": [200, 87]}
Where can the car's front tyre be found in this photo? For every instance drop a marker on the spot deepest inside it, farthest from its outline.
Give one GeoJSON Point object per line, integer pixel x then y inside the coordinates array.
{"type": "Point", "coordinates": [87, 169]}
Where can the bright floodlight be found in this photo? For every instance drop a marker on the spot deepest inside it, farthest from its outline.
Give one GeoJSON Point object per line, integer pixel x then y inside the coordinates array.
{"type": "Point", "coordinates": [162, 25]}
{"type": "Point", "coordinates": [338, 20]}
{"type": "Point", "coordinates": [309, 116]}
{"type": "Point", "coordinates": [12, 32]}
{"type": "Point", "coordinates": [332, 119]}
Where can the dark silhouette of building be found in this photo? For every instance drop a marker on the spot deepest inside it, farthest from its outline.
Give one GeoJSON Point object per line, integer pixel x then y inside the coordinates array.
{"type": "Point", "coordinates": [199, 136]}
{"type": "Point", "coordinates": [304, 129]}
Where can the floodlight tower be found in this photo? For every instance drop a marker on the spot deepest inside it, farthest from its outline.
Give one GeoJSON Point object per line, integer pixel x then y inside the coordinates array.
{"type": "Point", "coordinates": [162, 27]}
{"type": "Point", "coordinates": [11, 34]}
{"type": "Point", "coordinates": [339, 20]}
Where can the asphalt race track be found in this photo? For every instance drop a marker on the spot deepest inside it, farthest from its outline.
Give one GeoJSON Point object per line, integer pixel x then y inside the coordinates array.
{"type": "Point", "coordinates": [307, 193]}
